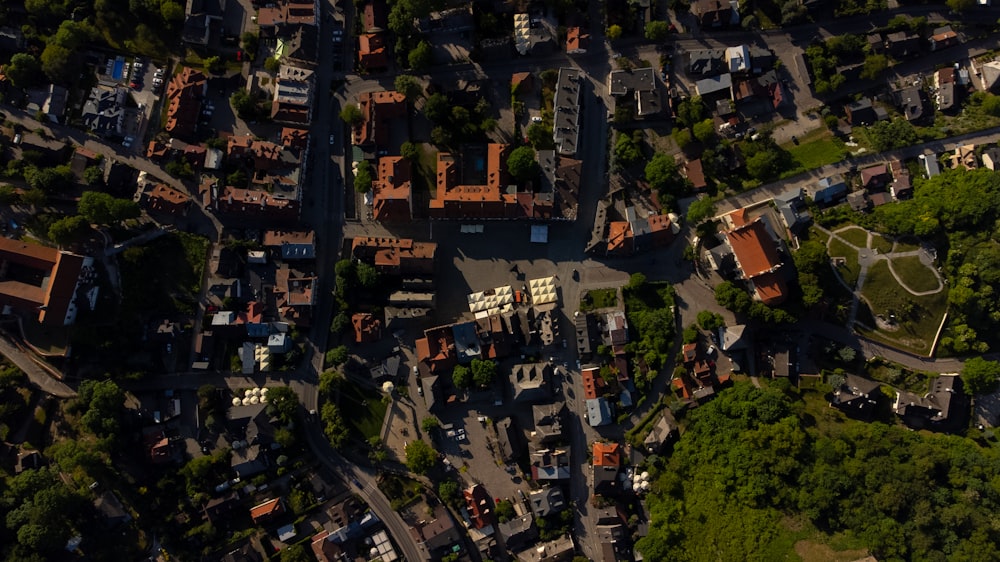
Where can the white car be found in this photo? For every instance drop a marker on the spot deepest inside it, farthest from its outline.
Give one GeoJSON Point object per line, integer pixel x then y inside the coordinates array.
{"type": "Point", "coordinates": [536, 119]}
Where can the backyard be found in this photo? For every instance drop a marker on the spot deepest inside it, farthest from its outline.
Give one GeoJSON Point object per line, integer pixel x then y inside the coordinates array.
{"type": "Point", "coordinates": [817, 148]}
{"type": "Point", "coordinates": [363, 409]}
{"type": "Point", "coordinates": [595, 299]}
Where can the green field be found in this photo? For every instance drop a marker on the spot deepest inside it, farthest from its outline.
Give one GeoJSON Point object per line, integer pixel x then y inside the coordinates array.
{"type": "Point", "coordinates": [818, 235]}
{"type": "Point", "coordinates": [855, 235]}
{"type": "Point", "coordinates": [815, 149]}
{"type": "Point", "coordinates": [850, 270]}
{"type": "Point", "coordinates": [598, 298]}
{"type": "Point", "coordinates": [881, 243]}
{"type": "Point", "coordinates": [917, 318]}
{"type": "Point", "coordinates": [363, 409]}
{"type": "Point", "coordinates": [914, 274]}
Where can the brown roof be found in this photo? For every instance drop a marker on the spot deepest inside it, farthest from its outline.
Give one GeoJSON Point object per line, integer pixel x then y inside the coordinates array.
{"type": "Point", "coordinates": [292, 137]}
{"type": "Point", "coordinates": [167, 199]}
{"type": "Point", "coordinates": [619, 237]}
{"type": "Point", "coordinates": [184, 93]}
{"type": "Point", "coordinates": [755, 250]}
{"type": "Point", "coordinates": [367, 328]}
{"type": "Point", "coordinates": [325, 550]}
{"type": "Point", "coordinates": [695, 174]}
{"type": "Point", "coordinates": [576, 39]}
{"type": "Point", "coordinates": [266, 509]}
{"type": "Point", "coordinates": [489, 200]}
{"type": "Point", "coordinates": [592, 383]}
{"type": "Point", "coordinates": [398, 256]}
{"type": "Point", "coordinates": [770, 288]}
{"type": "Point", "coordinates": [275, 238]}
{"type": "Point", "coordinates": [607, 454]}
{"type": "Point", "coordinates": [256, 202]}
{"type": "Point", "coordinates": [371, 51]}
{"type": "Point", "coordinates": [376, 109]}
{"type": "Point", "coordinates": [56, 273]}
{"type": "Point", "coordinates": [392, 195]}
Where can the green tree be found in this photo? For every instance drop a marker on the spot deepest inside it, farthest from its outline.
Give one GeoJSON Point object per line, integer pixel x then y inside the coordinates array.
{"type": "Point", "coordinates": [93, 176]}
{"type": "Point", "coordinates": [437, 108]}
{"type": "Point", "coordinates": [960, 5]}
{"type": "Point", "coordinates": [251, 43]}
{"type": "Point", "coordinates": [8, 194]}
{"type": "Point", "coordinates": [624, 114]}
{"type": "Point", "coordinates": [102, 404]}
{"type": "Point", "coordinates": [172, 12]}
{"type": "Point", "coordinates": [663, 175]}
{"type": "Point", "coordinates": [34, 197]}
{"type": "Point", "coordinates": [409, 86]}
{"type": "Point", "coordinates": [657, 30]}
{"type": "Point", "coordinates": [461, 377]}
{"type": "Point", "coordinates": [214, 65]}
{"type": "Point", "coordinates": [683, 138]}
{"type": "Point", "coordinates": [351, 114]}
{"type": "Point", "coordinates": [421, 57]}
{"type": "Point", "coordinates": [24, 70]}
{"type": "Point", "coordinates": [875, 65]}
{"type": "Point", "coordinates": [273, 65]}
{"type": "Point", "coordinates": [337, 356]}
{"type": "Point", "coordinates": [363, 179]}
{"type": "Point", "coordinates": [368, 276]}
{"type": "Point", "coordinates": [627, 151]}
{"type": "Point", "coordinates": [101, 208]}
{"type": "Point", "coordinates": [67, 230]}
{"type": "Point", "coordinates": [484, 372]}
{"type": "Point", "coordinates": [705, 131]}
{"type": "Point", "coordinates": [690, 111]}
{"type": "Point", "coordinates": [56, 63]}
{"type": "Point", "coordinates": [448, 491]}
{"type": "Point", "coordinates": [505, 511]}
{"type": "Point", "coordinates": [540, 136]}
{"type": "Point", "coordinates": [430, 423]}
{"type": "Point", "coordinates": [710, 321]}
{"type": "Point", "coordinates": [980, 375]}
{"type": "Point", "coordinates": [410, 151]}
{"type": "Point", "coordinates": [886, 135]}
{"type": "Point", "coordinates": [334, 426]}
{"type": "Point", "coordinates": [295, 553]}
{"type": "Point", "coordinates": [614, 32]}
{"type": "Point", "coordinates": [244, 103]}
{"type": "Point", "coordinates": [700, 209]}
{"type": "Point", "coordinates": [283, 403]}
{"type": "Point", "coordinates": [732, 297]}
{"type": "Point", "coordinates": [522, 163]}
{"type": "Point", "coordinates": [420, 457]}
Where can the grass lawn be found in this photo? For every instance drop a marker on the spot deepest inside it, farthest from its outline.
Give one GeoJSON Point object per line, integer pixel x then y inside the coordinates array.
{"type": "Point", "coordinates": [855, 235]}
{"type": "Point", "coordinates": [815, 149]}
{"type": "Point", "coordinates": [907, 246]}
{"type": "Point", "coordinates": [881, 243]}
{"type": "Point", "coordinates": [914, 274]}
{"type": "Point", "coordinates": [598, 298]}
{"type": "Point", "coordinates": [363, 409]}
{"type": "Point", "coordinates": [850, 269]}
{"type": "Point", "coordinates": [818, 235]}
{"type": "Point", "coordinates": [917, 318]}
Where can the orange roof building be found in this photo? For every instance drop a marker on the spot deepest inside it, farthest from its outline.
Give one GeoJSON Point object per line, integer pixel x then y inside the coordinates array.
{"type": "Point", "coordinates": [367, 328]}
{"type": "Point", "coordinates": [437, 349]}
{"type": "Point", "coordinates": [576, 41]}
{"type": "Point", "coordinates": [293, 137]}
{"type": "Point", "coordinates": [479, 505]}
{"type": "Point", "coordinates": [266, 511]}
{"type": "Point", "coordinates": [324, 549]}
{"type": "Point", "coordinates": [757, 257]}
{"type": "Point", "coordinates": [392, 193]}
{"type": "Point", "coordinates": [165, 199]}
{"type": "Point", "coordinates": [607, 455]}
{"type": "Point", "coordinates": [620, 240]}
{"type": "Point", "coordinates": [492, 199]}
{"type": "Point", "coordinates": [377, 108]}
{"type": "Point", "coordinates": [593, 383]}
{"type": "Point", "coordinates": [41, 282]}
{"type": "Point", "coordinates": [184, 93]}
{"type": "Point", "coordinates": [396, 256]}
{"type": "Point", "coordinates": [253, 203]}
{"type": "Point", "coordinates": [372, 54]}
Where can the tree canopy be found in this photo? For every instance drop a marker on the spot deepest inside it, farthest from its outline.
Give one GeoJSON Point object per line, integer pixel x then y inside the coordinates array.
{"type": "Point", "coordinates": [522, 164]}
{"type": "Point", "coordinates": [101, 208]}
{"type": "Point", "coordinates": [420, 457]}
{"type": "Point", "coordinates": [980, 376]}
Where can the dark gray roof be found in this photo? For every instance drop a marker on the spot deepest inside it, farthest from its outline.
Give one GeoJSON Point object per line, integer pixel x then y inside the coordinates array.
{"type": "Point", "coordinates": [566, 123]}
{"type": "Point", "coordinates": [547, 501]}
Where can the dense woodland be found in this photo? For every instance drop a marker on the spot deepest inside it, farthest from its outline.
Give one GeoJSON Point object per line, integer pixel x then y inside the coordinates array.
{"type": "Point", "coordinates": [754, 473]}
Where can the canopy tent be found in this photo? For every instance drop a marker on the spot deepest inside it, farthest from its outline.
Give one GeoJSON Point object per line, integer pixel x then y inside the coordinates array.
{"type": "Point", "coordinates": [496, 299]}
{"type": "Point", "coordinates": [543, 291]}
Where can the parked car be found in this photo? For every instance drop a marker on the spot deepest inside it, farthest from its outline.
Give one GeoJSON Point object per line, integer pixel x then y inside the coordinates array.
{"type": "Point", "coordinates": [536, 119]}
{"type": "Point", "coordinates": [333, 140]}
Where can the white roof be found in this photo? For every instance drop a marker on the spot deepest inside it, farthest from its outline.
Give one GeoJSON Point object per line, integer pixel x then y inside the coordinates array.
{"type": "Point", "coordinates": [543, 290]}
{"type": "Point", "coordinates": [495, 299]}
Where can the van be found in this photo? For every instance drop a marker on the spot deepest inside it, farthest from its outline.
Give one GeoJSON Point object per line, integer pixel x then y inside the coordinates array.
{"type": "Point", "coordinates": [17, 138]}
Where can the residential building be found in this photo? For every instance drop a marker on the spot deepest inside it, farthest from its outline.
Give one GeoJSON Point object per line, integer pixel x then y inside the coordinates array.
{"type": "Point", "coordinates": [293, 92]}
{"type": "Point", "coordinates": [576, 41]}
{"type": "Point", "coordinates": [636, 86]}
{"type": "Point", "coordinates": [620, 239]}
{"type": "Point", "coordinates": [487, 195]}
{"type": "Point", "coordinates": [531, 382]}
{"type": "Point", "coordinates": [911, 101]}
{"type": "Point", "coordinates": [480, 507]}
{"type": "Point", "coordinates": [607, 462]}
{"type": "Point", "coordinates": [295, 138]}
{"type": "Point", "coordinates": [267, 511]}
{"type": "Point", "coordinates": [715, 13]}
{"type": "Point", "coordinates": [930, 163]}
{"type": "Point", "coordinates": [663, 432]}
{"type": "Point", "coordinates": [944, 82]}
{"type": "Point", "coordinates": [436, 531]}
{"type": "Point", "coordinates": [705, 62]}
{"type": "Point", "coordinates": [559, 185]}
{"type": "Point", "coordinates": [401, 257]}
{"type": "Point", "coordinates": [104, 111]}
{"type": "Point", "coordinates": [875, 177]}
{"type": "Point", "coordinates": [392, 191]}
{"type": "Point", "coordinates": [297, 44]}
{"type": "Point", "coordinates": [715, 88]}
{"type": "Point", "coordinates": [44, 283]}
{"type": "Point", "coordinates": [858, 201]}
{"type": "Point", "coordinates": [519, 532]}
{"type": "Point", "coordinates": [250, 203]}
{"type": "Point", "coordinates": [510, 440]}
{"type": "Point", "coordinates": [965, 157]}
{"type": "Point", "coordinates": [291, 244]}
{"type": "Point", "coordinates": [863, 112]}
{"type": "Point", "coordinates": [184, 93]}
{"type": "Point", "coordinates": [991, 158]}
{"type": "Point", "coordinates": [856, 396]}
{"type": "Point", "coordinates": [756, 253]}
{"type": "Point", "coordinates": [161, 198]}
{"type": "Point", "coordinates": [738, 59]}
{"type": "Point", "coordinates": [201, 18]}
{"type": "Point", "coordinates": [829, 190]}
{"type": "Point", "coordinates": [566, 105]}
{"type": "Point", "coordinates": [901, 44]}
{"type": "Point", "coordinates": [695, 174]}
{"type": "Point", "coordinates": [376, 15]}
{"type": "Point", "coordinates": [367, 327]}
{"type": "Point", "coordinates": [991, 75]}
{"type": "Point", "coordinates": [558, 550]}
{"type": "Point", "coordinates": [324, 548]}
{"type": "Point", "coordinates": [943, 37]}
{"type": "Point", "coordinates": [548, 420]}
{"type": "Point", "coordinates": [547, 501]}
{"type": "Point", "coordinates": [372, 52]}
{"type": "Point", "coordinates": [377, 108]}
{"type": "Point", "coordinates": [791, 205]}
{"type": "Point", "coordinates": [945, 407]}
{"type": "Point", "coordinates": [294, 295]}
{"type": "Point", "coordinates": [598, 412]}
{"type": "Point", "coordinates": [549, 463]}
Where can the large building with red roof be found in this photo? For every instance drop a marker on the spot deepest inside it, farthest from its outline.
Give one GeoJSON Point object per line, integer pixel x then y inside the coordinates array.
{"type": "Point", "coordinates": [41, 282]}
{"type": "Point", "coordinates": [756, 253]}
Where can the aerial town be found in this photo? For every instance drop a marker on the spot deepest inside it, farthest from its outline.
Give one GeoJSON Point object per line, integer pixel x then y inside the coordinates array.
{"type": "Point", "coordinates": [534, 281]}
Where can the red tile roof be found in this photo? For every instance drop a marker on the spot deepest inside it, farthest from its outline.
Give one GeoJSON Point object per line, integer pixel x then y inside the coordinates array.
{"type": "Point", "coordinates": [367, 328]}
{"type": "Point", "coordinates": [267, 509]}
{"type": "Point", "coordinates": [607, 455]}
{"type": "Point", "coordinates": [184, 92]}
{"type": "Point", "coordinates": [757, 255]}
